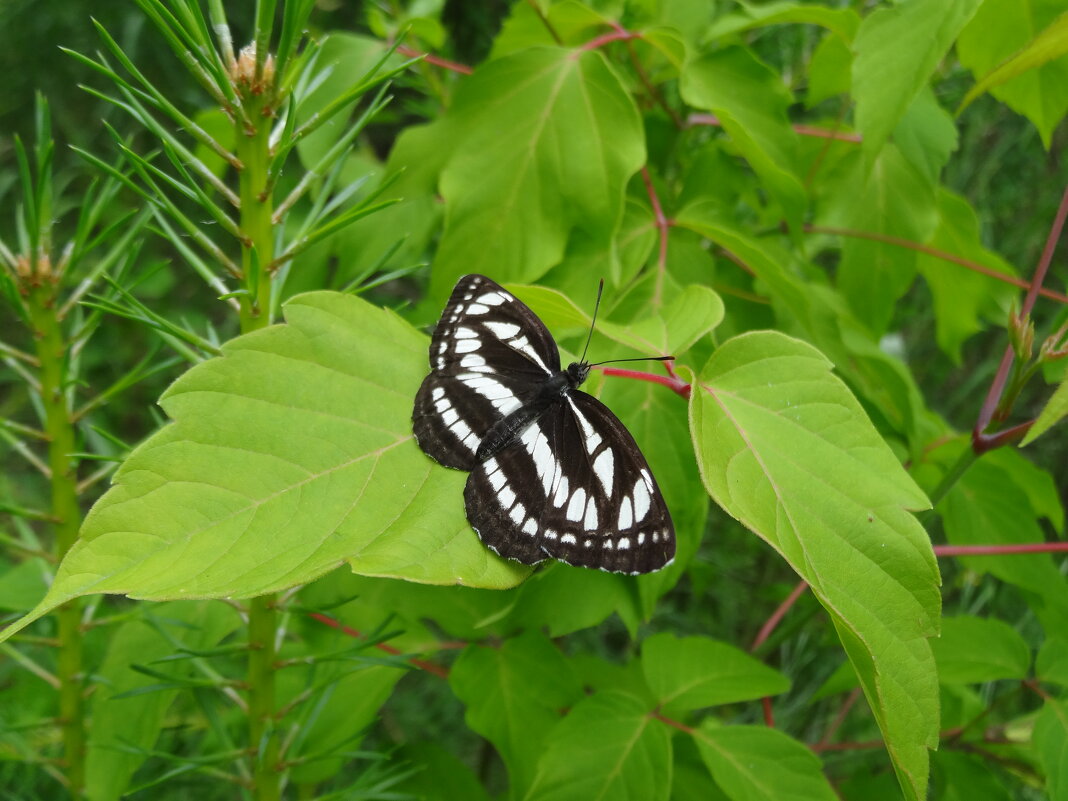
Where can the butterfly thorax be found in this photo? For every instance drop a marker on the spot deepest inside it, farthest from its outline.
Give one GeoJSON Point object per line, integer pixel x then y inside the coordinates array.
{"type": "Point", "coordinates": [510, 427]}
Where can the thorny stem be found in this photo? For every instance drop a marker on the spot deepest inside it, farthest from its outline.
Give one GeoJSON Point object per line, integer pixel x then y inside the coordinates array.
{"type": "Point", "coordinates": [257, 253]}
{"type": "Point", "coordinates": [59, 427]}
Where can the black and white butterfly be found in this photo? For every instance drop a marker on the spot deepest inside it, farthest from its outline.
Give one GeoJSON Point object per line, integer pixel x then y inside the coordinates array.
{"type": "Point", "coordinates": [554, 474]}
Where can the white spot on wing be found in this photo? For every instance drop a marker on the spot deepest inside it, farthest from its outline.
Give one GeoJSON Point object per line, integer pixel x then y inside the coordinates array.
{"type": "Point", "coordinates": [506, 497]}
{"type": "Point", "coordinates": [518, 513]}
{"type": "Point", "coordinates": [626, 515]}
{"type": "Point", "coordinates": [492, 299]}
{"type": "Point", "coordinates": [623, 543]}
{"type": "Point", "coordinates": [641, 499]}
{"type": "Point", "coordinates": [603, 467]}
{"type": "Point", "coordinates": [568, 539]}
{"type": "Point", "coordinates": [465, 333]}
{"type": "Point", "coordinates": [496, 479]}
{"type": "Point", "coordinates": [577, 508]}
{"type": "Point", "coordinates": [438, 393]}
{"type": "Point", "coordinates": [450, 416]}
{"type": "Point", "coordinates": [466, 345]}
{"type": "Point", "coordinates": [561, 492]}
{"type": "Point", "coordinates": [477, 308]}
{"type": "Point", "coordinates": [503, 330]}
{"type": "Point", "coordinates": [591, 516]}
{"type": "Point", "coordinates": [530, 527]}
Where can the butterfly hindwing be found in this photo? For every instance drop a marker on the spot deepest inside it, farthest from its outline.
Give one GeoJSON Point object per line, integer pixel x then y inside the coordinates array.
{"type": "Point", "coordinates": [489, 353]}
{"type": "Point", "coordinates": [574, 488]}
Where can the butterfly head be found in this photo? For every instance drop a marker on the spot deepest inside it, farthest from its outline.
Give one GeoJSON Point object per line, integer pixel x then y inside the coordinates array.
{"type": "Point", "coordinates": [577, 372]}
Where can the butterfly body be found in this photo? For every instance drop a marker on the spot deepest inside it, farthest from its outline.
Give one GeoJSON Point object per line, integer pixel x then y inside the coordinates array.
{"type": "Point", "coordinates": [554, 473]}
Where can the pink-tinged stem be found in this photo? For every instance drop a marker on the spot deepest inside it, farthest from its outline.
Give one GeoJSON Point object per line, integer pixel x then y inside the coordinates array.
{"type": "Point", "coordinates": [680, 388]}
{"type": "Point", "coordinates": [618, 35]}
{"type": "Point", "coordinates": [437, 61]}
{"type": "Point", "coordinates": [778, 615]}
{"type": "Point", "coordinates": [804, 130]}
{"type": "Point", "coordinates": [995, 550]}
{"type": "Point", "coordinates": [980, 439]}
{"type": "Point", "coordinates": [422, 664]}
{"type": "Point", "coordinates": [663, 224]}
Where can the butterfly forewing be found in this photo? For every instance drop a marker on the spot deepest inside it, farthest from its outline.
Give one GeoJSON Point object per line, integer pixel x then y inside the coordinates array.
{"type": "Point", "coordinates": [572, 485]}
{"type": "Point", "coordinates": [488, 355]}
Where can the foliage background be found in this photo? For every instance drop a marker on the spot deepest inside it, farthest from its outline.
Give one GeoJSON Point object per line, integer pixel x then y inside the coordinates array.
{"type": "Point", "coordinates": [731, 584]}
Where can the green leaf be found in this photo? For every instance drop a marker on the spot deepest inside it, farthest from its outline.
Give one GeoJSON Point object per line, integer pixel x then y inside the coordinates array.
{"type": "Point", "coordinates": [961, 295]}
{"type": "Point", "coordinates": [989, 506]}
{"type": "Point", "coordinates": [843, 22]}
{"type": "Point", "coordinates": [972, 650]}
{"type": "Point", "coordinates": [608, 747]}
{"type": "Point", "coordinates": [1017, 51]}
{"type": "Point", "coordinates": [563, 599]}
{"type": "Point", "coordinates": [1053, 412]}
{"type": "Point", "coordinates": [123, 726]}
{"type": "Point", "coordinates": [750, 101]}
{"type": "Point", "coordinates": [892, 199]}
{"type": "Point", "coordinates": [960, 776]}
{"type": "Point", "coordinates": [926, 135]}
{"type": "Point", "coordinates": [571, 138]}
{"type": "Point", "coordinates": [829, 70]}
{"type": "Point", "coordinates": [289, 455]}
{"type": "Point", "coordinates": [514, 696]}
{"type": "Point", "coordinates": [819, 314]}
{"type": "Point", "coordinates": [441, 776]}
{"type": "Point", "coordinates": [757, 763]}
{"type": "Point", "coordinates": [22, 585]}
{"type": "Point", "coordinates": [893, 63]}
{"type": "Point", "coordinates": [693, 672]}
{"type": "Point", "coordinates": [1051, 744]}
{"type": "Point", "coordinates": [569, 23]}
{"type": "Point", "coordinates": [349, 705]}
{"type": "Point", "coordinates": [1051, 662]}
{"type": "Point", "coordinates": [785, 448]}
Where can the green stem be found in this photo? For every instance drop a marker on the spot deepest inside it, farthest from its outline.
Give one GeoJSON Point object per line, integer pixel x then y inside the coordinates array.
{"type": "Point", "coordinates": [59, 426]}
{"type": "Point", "coordinates": [952, 476]}
{"type": "Point", "coordinates": [257, 252]}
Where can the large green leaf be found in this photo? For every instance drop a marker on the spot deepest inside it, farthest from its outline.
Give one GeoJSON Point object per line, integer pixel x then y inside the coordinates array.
{"type": "Point", "coordinates": [608, 748]}
{"type": "Point", "coordinates": [1017, 51]}
{"type": "Point", "coordinates": [1051, 743]}
{"type": "Point", "coordinates": [289, 455]}
{"type": "Point", "coordinates": [757, 763]}
{"type": "Point", "coordinates": [893, 63]}
{"type": "Point", "coordinates": [1055, 410]}
{"type": "Point", "coordinates": [961, 295]}
{"type": "Point", "coordinates": [545, 142]}
{"type": "Point", "coordinates": [785, 448]}
{"type": "Point", "coordinates": [974, 649]}
{"type": "Point", "coordinates": [514, 696]}
{"type": "Point", "coordinates": [750, 101]}
{"type": "Point", "coordinates": [990, 505]}
{"type": "Point", "coordinates": [892, 199]}
{"type": "Point", "coordinates": [129, 708]}
{"type": "Point", "coordinates": [821, 316]}
{"type": "Point", "coordinates": [693, 672]}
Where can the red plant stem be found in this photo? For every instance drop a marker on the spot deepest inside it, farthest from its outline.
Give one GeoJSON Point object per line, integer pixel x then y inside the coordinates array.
{"type": "Point", "coordinates": [940, 254]}
{"type": "Point", "coordinates": [995, 550]}
{"type": "Point", "coordinates": [663, 224]}
{"type": "Point", "coordinates": [618, 35]}
{"type": "Point", "coordinates": [437, 61]}
{"type": "Point", "coordinates": [769, 716]}
{"type": "Point", "coordinates": [671, 722]}
{"type": "Point", "coordinates": [778, 615]}
{"type": "Point", "coordinates": [804, 130]}
{"type": "Point", "coordinates": [980, 439]}
{"type": "Point", "coordinates": [675, 385]}
{"type": "Point", "coordinates": [422, 664]}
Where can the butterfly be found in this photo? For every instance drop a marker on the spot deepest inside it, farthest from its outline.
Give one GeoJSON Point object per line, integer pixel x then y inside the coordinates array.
{"type": "Point", "coordinates": [554, 473]}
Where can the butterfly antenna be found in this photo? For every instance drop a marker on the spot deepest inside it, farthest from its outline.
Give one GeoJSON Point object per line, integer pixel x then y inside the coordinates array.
{"type": "Point", "coordinates": [596, 306]}
{"type": "Point", "coordinates": [638, 359]}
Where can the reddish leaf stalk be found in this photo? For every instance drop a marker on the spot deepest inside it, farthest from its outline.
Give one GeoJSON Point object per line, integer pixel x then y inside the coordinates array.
{"type": "Point", "coordinates": [804, 130]}
{"type": "Point", "coordinates": [981, 441]}
{"type": "Point", "coordinates": [618, 35]}
{"type": "Point", "coordinates": [939, 254]}
{"type": "Point", "coordinates": [437, 61]}
{"type": "Point", "coordinates": [663, 224]}
{"type": "Point", "coordinates": [778, 615]}
{"type": "Point", "coordinates": [680, 388]}
{"type": "Point", "coordinates": [996, 550]}
{"type": "Point", "coordinates": [422, 664]}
